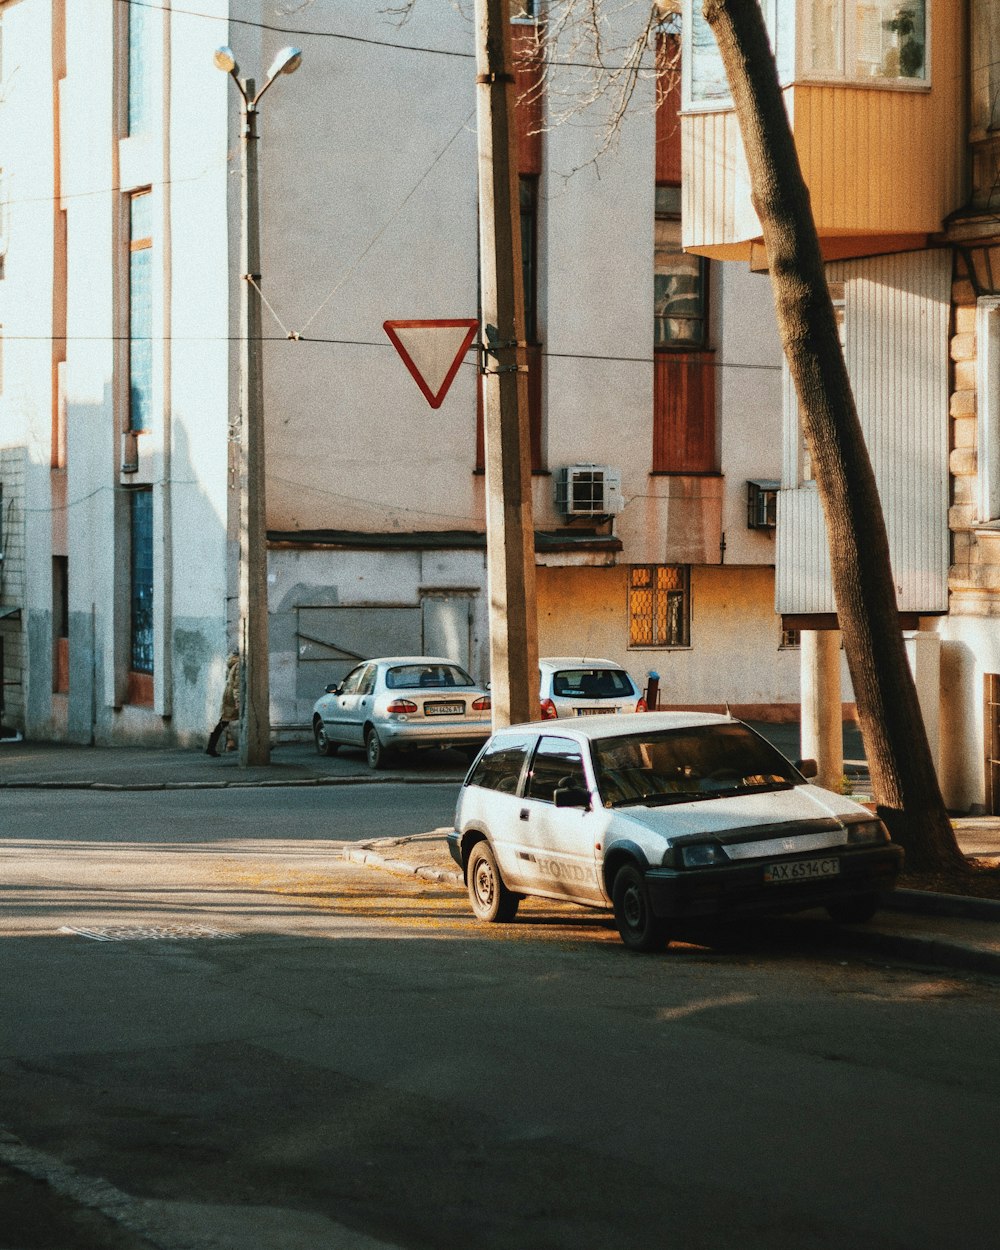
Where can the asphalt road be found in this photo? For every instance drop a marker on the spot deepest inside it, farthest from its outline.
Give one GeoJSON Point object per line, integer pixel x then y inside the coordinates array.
{"type": "Point", "coordinates": [234, 1038]}
{"type": "Point", "coordinates": [348, 813]}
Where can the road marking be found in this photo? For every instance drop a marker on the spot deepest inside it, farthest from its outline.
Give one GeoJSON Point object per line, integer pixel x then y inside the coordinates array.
{"type": "Point", "coordinates": [148, 933]}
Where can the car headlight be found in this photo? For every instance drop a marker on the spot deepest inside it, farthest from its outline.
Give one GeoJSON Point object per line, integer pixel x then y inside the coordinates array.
{"type": "Point", "coordinates": [866, 831]}
{"type": "Point", "coordinates": [702, 855]}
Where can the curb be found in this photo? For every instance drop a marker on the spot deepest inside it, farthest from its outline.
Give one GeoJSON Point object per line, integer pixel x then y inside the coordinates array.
{"type": "Point", "coordinates": [363, 855]}
{"type": "Point", "coordinates": [930, 951]}
{"type": "Point", "coordinates": [928, 903]}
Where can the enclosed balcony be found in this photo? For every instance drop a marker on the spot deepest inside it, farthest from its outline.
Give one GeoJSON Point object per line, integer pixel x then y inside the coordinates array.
{"type": "Point", "coordinates": [874, 90]}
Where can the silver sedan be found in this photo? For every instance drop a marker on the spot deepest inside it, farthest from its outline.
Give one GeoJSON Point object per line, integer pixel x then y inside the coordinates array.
{"type": "Point", "coordinates": [402, 703]}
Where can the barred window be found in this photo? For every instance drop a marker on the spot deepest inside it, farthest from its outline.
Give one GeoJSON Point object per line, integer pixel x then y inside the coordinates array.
{"type": "Point", "coordinates": [659, 605]}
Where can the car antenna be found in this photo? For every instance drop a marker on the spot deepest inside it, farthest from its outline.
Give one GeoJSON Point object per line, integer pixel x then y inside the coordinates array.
{"type": "Point", "coordinates": [729, 712]}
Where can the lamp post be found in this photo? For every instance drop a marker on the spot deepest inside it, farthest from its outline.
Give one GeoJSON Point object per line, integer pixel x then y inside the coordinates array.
{"type": "Point", "coordinates": [255, 727]}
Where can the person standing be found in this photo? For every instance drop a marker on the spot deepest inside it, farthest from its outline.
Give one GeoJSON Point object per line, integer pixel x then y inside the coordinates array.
{"type": "Point", "coordinates": [230, 709]}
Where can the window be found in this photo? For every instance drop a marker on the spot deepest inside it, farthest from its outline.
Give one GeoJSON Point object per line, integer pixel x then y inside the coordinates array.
{"type": "Point", "coordinates": [141, 568]}
{"type": "Point", "coordinates": [790, 640]}
{"type": "Point", "coordinates": [679, 279]}
{"type": "Point", "coordinates": [847, 40]}
{"type": "Point", "coordinates": [500, 766]}
{"type": "Point", "coordinates": [140, 19]}
{"type": "Point", "coordinates": [557, 763]}
{"type": "Point", "coordinates": [988, 409]}
{"type": "Point", "coordinates": [60, 624]}
{"type": "Point", "coordinates": [3, 215]}
{"type": "Point", "coordinates": [529, 254]}
{"type": "Point", "coordinates": [862, 40]}
{"type": "Point", "coordinates": [659, 605]}
{"type": "Point", "coordinates": [140, 312]}
{"type": "Point", "coordinates": [352, 682]}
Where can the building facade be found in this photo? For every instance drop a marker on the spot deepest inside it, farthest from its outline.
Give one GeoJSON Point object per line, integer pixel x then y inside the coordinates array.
{"type": "Point", "coordinates": [893, 109]}
{"type": "Point", "coordinates": [655, 376]}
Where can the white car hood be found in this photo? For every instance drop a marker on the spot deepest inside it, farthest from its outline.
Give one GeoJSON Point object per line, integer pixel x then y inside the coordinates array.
{"type": "Point", "coordinates": [772, 808]}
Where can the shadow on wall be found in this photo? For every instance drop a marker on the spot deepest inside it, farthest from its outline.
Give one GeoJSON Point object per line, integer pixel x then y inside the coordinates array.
{"type": "Point", "coordinates": [184, 563]}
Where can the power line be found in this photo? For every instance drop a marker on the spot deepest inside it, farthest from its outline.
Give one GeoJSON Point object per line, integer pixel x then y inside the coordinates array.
{"type": "Point", "coordinates": [334, 342]}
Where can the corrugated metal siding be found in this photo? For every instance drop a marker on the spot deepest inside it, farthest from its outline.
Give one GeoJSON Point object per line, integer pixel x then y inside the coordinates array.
{"type": "Point", "coordinates": [897, 311]}
{"type": "Point", "coordinates": [714, 177]}
{"type": "Point", "coordinates": [864, 155]}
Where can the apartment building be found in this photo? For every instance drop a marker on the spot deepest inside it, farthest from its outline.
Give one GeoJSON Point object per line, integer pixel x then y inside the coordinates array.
{"type": "Point", "coordinates": [655, 375]}
{"type": "Point", "coordinates": [893, 109]}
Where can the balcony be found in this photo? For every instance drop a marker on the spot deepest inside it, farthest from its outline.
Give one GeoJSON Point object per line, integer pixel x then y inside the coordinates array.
{"type": "Point", "coordinates": [883, 156]}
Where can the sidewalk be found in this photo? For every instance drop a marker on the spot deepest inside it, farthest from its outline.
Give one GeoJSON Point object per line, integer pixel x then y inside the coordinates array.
{"type": "Point", "coordinates": [939, 930]}
{"type": "Point", "coordinates": [49, 765]}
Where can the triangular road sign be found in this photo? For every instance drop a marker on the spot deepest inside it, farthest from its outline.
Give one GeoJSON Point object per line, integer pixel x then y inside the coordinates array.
{"type": "Point", "coordinates": [432, 351]}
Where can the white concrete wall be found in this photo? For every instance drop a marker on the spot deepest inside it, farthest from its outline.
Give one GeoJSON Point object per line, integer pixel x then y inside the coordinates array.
{"type": "Point", "coordinates": [970, 648]}
{"type": "Point", "coordinates": [26, 316]}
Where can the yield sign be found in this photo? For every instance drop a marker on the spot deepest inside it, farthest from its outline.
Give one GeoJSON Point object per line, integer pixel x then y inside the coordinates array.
{"type": "Point", "coordinates": [432, 351]}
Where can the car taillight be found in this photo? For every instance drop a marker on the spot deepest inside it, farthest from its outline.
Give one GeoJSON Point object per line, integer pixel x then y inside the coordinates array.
{"type": "Point", "coordinates": [401, 705]}
{"type": "Point", "coordinates": [483, 704]}
{"type": "Point", "coordinates": [549, 710]}
{"type": "Point", "coordinates": [641, 706]}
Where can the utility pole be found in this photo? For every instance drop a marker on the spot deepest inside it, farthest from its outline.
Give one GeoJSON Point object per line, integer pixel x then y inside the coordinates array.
{"type": "Point", "coordinates": [255, 724]}
{"type": "Point", "coordinates": [510, 540]}
{"type": "Point", "coordinates": [255, 716]}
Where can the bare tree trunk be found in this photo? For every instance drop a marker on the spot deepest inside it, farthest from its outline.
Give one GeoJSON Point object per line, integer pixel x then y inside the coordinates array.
{"type": "Point", "coordinates": [903, 777]}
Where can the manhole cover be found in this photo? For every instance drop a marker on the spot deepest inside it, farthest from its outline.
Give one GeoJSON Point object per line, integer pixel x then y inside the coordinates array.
{"type": "Point", "coordinates": [148, 933]}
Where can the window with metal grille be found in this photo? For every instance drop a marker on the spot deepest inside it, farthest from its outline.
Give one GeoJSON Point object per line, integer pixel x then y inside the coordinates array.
{"type": "Point", "coordinates": [659, 605]}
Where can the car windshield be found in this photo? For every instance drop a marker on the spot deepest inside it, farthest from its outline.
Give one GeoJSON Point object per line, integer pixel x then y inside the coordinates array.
{"type": "Point", "coordinates": [427, 676]}
{"type": "Point", "coordinates": [590, 683]}
{"type": "Point", "coordinates": [679, 765]}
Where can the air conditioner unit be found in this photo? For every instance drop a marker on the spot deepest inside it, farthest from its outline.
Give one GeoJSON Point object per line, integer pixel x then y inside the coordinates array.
{"type": "Point", "coordinates": [588, 490]}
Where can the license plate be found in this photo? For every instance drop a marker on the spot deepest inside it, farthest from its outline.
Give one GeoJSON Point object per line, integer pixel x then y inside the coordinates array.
{"type": "Point", "coordinates": [595, 711]}
{"type": "Point", "coordinates": [802, 870]}
{"type": "Point", "coordinates": [444, 709]}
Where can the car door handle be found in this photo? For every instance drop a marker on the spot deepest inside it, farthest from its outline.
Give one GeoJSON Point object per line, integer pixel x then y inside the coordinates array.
{"type": "Point", "coordinates": [525, 813]}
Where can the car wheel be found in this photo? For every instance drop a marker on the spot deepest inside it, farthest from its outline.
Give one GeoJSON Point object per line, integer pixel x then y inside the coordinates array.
{"type": "Point", "coordinates": [378, 756]}
{"type": "Point", "coordinates": [323, 744]}
{"type": "Point", "coordinates": [857, 910]}
{"type": "Point", "coordinates": [489, 896]}
{"type": "Point", "coordinates": [638, 928]}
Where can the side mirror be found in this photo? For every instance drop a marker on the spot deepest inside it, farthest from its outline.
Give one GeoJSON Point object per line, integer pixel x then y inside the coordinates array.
{"type": "Point", "coordinates": [333, 688]}
{"type": "Point", "coordinates": [808, 768]}
{"type": "Point", "coordinates": [572, 796]}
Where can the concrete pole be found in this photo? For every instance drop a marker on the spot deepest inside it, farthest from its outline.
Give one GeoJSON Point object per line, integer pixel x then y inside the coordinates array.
{"type": "Point", "coordinates": [822, 730]}
{"type": "Point", "coordinates": [255, 726]}
{"type": "Point", "coordinates": [510, 543]}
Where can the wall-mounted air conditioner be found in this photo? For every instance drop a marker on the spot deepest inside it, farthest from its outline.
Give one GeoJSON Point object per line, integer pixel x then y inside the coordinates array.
{"type": "Point", "coordinates": [588, 490]}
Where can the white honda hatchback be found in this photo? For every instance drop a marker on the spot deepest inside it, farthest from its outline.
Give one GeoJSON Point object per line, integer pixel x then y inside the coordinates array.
{"type": "Point", "coordinates": [662, 817]}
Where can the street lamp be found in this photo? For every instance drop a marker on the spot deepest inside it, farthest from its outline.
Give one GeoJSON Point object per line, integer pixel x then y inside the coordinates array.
{"type": "Point", "coordinates": [255, 727]}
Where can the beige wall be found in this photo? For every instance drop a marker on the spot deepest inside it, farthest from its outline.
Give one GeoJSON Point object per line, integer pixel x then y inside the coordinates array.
{"type": "Point", "coordinates": [735, 654]}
